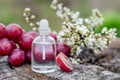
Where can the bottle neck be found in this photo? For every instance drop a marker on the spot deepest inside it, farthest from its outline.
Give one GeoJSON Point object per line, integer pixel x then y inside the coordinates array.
{"type": "Point", "coordinates": [44, 32]}
{"type": "Point", "coordinates": [44, 37]}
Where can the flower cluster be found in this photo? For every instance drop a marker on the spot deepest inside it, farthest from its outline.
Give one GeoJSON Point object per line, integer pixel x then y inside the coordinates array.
{"type": "Point", "coordinates": [30, 19]}
{"type": "Point", "coordinates": [80, 32]}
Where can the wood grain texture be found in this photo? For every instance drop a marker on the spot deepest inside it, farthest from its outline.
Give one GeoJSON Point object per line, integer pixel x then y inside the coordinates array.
{"type": "Point", "coordinates": [105, 71]}
{"type": "Point", "coordinates": [86, 72]}
{"type": "Point", "coordinates": [20, 73]}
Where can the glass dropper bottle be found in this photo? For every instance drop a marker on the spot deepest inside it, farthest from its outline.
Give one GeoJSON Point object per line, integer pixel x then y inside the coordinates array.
{"type": "Point", "coordinates": [44, 50]}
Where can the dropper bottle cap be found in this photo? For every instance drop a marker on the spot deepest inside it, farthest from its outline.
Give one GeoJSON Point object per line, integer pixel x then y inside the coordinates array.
{"type": "Point", "coordinates": [44, 27]}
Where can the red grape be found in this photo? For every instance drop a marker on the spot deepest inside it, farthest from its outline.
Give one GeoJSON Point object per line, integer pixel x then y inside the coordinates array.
{"type": "Point", "coordinates": [53, 36]}
{"type": "Point", "coordinates": [13, 44]}
{"type": "Point", "coordinates": [64, 62]}
{"type": "Point", "coordinates": [5, 47]}
{"type": "Point", "coordinates": [62, 47]}
{"type": "Point", "coordinates": [13, 32]}
{"type": "Point", "coordinates": [17, 57]}
{"type": "Point", "coordinates": [33, 34]}
{"type": "Point", "coordinates": [23, 31]}
{"type": "Point", "coordinates": [2, 30]}
{"type": "Point", "coordinates": [28, 56]}
{"type": "Point", "coordinates": [25, 42]}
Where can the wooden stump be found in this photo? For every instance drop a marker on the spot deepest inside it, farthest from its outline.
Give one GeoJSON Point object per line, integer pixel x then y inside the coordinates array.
{"type": "Point", "coordinates": [81, 72]}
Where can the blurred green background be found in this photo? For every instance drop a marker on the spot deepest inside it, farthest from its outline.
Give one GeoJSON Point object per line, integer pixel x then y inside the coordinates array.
{"type": "Point", "coordinates": [11, 11]}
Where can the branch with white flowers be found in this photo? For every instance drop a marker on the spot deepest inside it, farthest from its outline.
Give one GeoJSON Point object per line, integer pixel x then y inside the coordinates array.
{"type": "Point", "coordinates": [30, 19]}
{"type": "Point", "coordinates": [79, 32]}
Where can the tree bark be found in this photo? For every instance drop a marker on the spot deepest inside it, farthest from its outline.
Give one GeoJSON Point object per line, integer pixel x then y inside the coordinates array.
{"type": "Point", "coordinates": [108, 70]}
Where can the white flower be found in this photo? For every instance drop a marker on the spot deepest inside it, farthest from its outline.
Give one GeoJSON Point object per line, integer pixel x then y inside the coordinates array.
{"type": "Point", "coordinates": [54, 1]}
{"type": "Point", "coordinates": [95, 20]}
{"type": "Point", "coordinates": [101, 42]}
{"type": "Point", "coordinates": [87, 20]}
{"type": "Point", "coordinates": [37, 23]}
{"type": "Point", "coordinates": [27, 9]}
{"type": "Point", "coordinates": [100, 20]}
{"type": "Point", "coordinates": [66, 30]}
{"type": "Point", "coordinates": [32, 16]}
{"type": "Point", "coordinates": [70, 43]}
{"type": "Point", "coordinates": [95, 12]}
{"type": "Point", "coordinates": [111, 33]}
{"type": "Point", "coordinates": [32, 24]}
{"type": "Point", "coordinates": [90, 40]}
{"type": "Point", "coordinates": [80, 20]}
{"type": "Point", "coordinates": [69, 24]}
{"type": "Point", "coordinates": [67, 10]}
{"type": "Point", "coordinates": [27, 19]}
{"type": "Point", "coordinates": [24, 14]}
{"type": "Point", "coordinates": [53, 5]}
{"type": "Point", "coordinates": [34, 28]}
{"type": "Point", "coordinates": [82, 29]}
{"type": "Point", "coordinates": [75, 15]}
{"type": "Point", "coordinates": [60, 6]}
{"type": "Point", "coordinates": [104, 30]}
{"type": "Point", "coordinates": [59, 13]}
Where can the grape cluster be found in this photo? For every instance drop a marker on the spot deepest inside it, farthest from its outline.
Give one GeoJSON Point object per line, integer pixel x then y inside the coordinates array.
{"type": "Point", "coordinates": [16, 44]}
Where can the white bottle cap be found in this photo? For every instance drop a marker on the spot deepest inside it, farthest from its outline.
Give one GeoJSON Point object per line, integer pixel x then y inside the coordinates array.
{"type": "Point", "coordinates": [44, 27]}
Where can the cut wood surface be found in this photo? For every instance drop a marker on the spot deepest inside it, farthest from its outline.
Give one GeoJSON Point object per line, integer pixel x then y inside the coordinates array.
{"type": "Point", "coordinates": [19, 73]}
{"type": "Point", "coordinates": [109, 70]}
